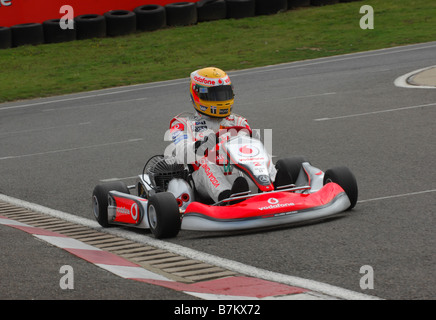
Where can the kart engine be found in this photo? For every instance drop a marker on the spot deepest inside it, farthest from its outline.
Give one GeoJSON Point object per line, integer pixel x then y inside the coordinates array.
{"type": "Point", "coordinates": [162, 169]}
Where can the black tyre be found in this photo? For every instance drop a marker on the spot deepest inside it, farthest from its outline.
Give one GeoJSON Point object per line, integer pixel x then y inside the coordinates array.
{"type": "Point", "coordinates": [238, 9]}
{"type": "Point", "coordinates": [5, 38]}
{"type": "Point", "coordinates": [323, 2]}
{"type": "Point", "coordinates": [209, 10]}
{"type": "Point", "coordinates": [181, 13]}
{"type": "Point", "coordinates": [298, 3]}
{"type": "Point", "coordinates": [288, 170]}
{"type": "Point", "coordinates": [90, 26]}
{"type": "Point", "coordinates": [265, 7]}
{"type": "Point", "coordinates": [163, 215]}
{"type": "Point", "coordinates": [53, 33]}
{"type": "Point", "coordinates": [100, 200]}
{"type": "Point", "coordinates": [150, 17]}
{"type": "Point", "coordinates": [120, 22]}
{"type": "Point", "coordinates": [346, 179]}
{"type": "Point", "coordinates": [27, 34]}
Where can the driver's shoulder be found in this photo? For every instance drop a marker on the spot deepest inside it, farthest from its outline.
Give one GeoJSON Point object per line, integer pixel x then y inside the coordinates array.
{"type": "Point", "coordinates": [235, 120]}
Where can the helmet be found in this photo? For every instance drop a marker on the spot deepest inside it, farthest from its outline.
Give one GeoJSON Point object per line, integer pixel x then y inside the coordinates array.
{"type": "Point", "coordinates": [212, 92]}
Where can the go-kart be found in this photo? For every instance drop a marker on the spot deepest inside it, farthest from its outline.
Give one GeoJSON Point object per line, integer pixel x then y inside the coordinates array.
{"type": "Point", "coordinates": [168, 201]}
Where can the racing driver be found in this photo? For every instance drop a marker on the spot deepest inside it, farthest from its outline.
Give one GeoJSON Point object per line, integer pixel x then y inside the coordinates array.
{"type": "Point", "coordinates": [212, 95]}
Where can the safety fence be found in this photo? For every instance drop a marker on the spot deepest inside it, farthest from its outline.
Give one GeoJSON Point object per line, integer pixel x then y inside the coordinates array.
{"type": "Point", "coordinates": [147, 17]}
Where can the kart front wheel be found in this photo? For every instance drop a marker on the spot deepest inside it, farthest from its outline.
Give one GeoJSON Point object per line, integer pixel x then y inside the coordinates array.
{"type": "Point", "coordinates": [288, 170]}
{"type": "Point", "coordinates": [164, 215]}
{"type": "Point", "coordinates": [100, 200]}
{"type": "Point", "coordinates": [346, 179]}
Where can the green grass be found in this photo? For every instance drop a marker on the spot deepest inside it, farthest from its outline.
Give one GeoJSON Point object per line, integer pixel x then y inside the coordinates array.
{"type": "Point", "coordinates": [305, 33]}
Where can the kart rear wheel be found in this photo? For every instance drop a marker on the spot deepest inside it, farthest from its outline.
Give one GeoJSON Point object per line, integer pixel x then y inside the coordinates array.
{"type": "Point", "coordinates": [100, 200]}
{"type": "Point", "coordinates": [163, 215]}
{"type": "Point", "coordinates": [346, 179]}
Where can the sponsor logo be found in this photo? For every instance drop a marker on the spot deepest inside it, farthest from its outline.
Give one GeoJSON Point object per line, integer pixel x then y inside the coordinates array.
{"type": "Point", "coordinates": [275, 204]}
{"type": "Point", "coordinates": [273, 201]}
{"type": "Point", "coordinates": [248, 151]}
{"type": "Point", "coordinates": [210, 175]}
{"type": "Point", "coordinates": [133, 211]}
{"type": "Point", "coordinates": [177, 127]}
{"type": "Point", "coordinates": [5, 3]}
{"type": "Point", "coordinates": [264, 179]}
{"type": "Point", "coordinates": [200, 128]}
{"type": "Point", "coordinates": [203, 108]}
{"type": "Point", "coordinates": [224, 111]}
{"type": "Point", "coordinates": [184, 137]}
{"type": "Point", "coordinates": [176, 134]}
{"type": "Point", "coordinates": [122, 211]}
{"type": "Point", "coordinates": [204, 80]}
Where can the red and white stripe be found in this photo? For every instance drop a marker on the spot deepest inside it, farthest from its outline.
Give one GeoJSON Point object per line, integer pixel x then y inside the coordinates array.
{"type": "Point", "coordinates": [236, 287]}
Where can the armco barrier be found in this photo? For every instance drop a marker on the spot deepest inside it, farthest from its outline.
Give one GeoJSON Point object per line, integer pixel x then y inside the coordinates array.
{"type": "Point", "coordinates": [100, 18]}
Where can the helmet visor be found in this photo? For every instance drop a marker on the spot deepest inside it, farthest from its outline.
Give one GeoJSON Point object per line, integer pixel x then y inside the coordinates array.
{"type": "Point", "coordinates": [219, 93]}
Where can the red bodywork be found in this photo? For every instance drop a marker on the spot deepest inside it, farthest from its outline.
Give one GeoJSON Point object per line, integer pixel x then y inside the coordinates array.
{"type": "Point", "coordinates": [266, 205]}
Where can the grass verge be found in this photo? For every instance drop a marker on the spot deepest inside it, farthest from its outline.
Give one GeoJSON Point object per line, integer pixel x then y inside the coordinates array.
{"type": "Point", "coordinates": [305, 33]}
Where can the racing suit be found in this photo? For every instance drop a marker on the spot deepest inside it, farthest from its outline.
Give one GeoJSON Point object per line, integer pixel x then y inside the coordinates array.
{"type": "Point", "coordinates": [186, 131]}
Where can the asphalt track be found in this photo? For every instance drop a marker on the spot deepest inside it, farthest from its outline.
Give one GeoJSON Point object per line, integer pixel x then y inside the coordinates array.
{"type": "Point", "coordinates": [342, 110]}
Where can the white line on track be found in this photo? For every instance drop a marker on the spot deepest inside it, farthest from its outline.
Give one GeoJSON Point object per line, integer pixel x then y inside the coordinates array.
{"type": "Point", "coordinates": [339, 58]}
{"type": "Point", "coordinates": [93, 105]}
{"type": "Point", "coordinates": [376, 112]}
{"type": "Point", "coordinates": [297, 64]}
{"type": "Point", "coordinates": [137, 87]}
{"type": "Point", "coordinates": [315, 286]}
{"type": "Point", "coordinates": [46, 128]}
{"type": "Point", "coordinates": [70, 149]}
{"type": "Point", "coordinates": [397, 196]}
{"type": "Point", "coordinates": [117, 179]}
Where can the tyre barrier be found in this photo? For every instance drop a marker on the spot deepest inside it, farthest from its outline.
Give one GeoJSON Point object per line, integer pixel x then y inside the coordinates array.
{"type": "Point", "coordinates": [53, 33]}
{"type": "Point", "coordinates": [147, 17]}
{"type": "Point", "coordinates": [27, 34]}
{"type": "Point", "coordinates": [120, 22]}
{"type": "Point", "coordinates": [238, 9]}
{"type": "Point", "coordinates": [5, 38]}
{"type": "Point", "coordinates": [323, 2]}
{"type": "Point", "coordinates": [209, 10]}
{"type": "Point", "coordinates": [266, 7]}
{"type": "Point", "coordinates": [298, 3]}
{"type": "Point", "coordinates": [150, 17]}
{"type": "Point", "coordinates": [181, 13]}
{"type": "Point", "coordinates": [90, 26]}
